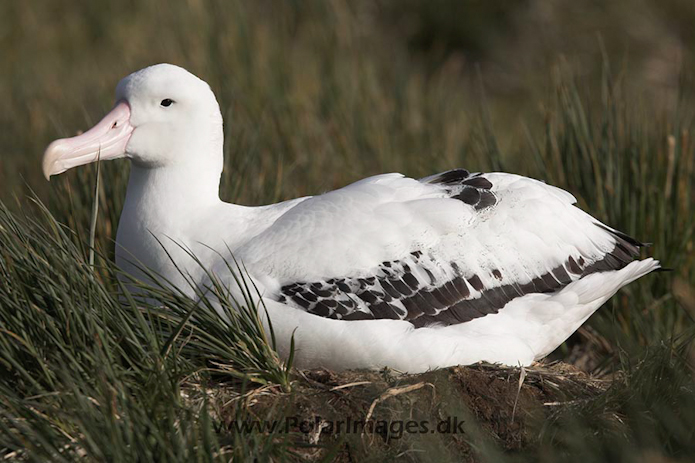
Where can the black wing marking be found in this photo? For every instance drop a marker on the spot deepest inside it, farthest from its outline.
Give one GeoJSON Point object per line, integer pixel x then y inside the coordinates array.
{"type": "Point", "coordinates": [424, 291]}
{"type": "Point", "coordinates": [472, 189]}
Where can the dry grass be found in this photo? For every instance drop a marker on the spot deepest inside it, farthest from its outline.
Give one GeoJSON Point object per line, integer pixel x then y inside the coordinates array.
{"type": "Point", "coordinates": [315, 95]}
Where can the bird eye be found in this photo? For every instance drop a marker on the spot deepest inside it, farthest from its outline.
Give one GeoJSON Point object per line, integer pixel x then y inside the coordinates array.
{"type": "Point", "coordinates": [166, 102]}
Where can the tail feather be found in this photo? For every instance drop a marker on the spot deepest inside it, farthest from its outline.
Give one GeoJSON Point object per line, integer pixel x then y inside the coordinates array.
{"type": "Point", "coordinates": [581, 299]}
{"type": "Point", "coordinates": [606, 284]}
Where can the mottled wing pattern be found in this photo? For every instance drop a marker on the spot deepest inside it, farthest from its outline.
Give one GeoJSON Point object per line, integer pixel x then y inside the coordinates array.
{"type": "Point", "coordinates": [472, 189]}
{"type": "Point", "coordinates": [425, 289]}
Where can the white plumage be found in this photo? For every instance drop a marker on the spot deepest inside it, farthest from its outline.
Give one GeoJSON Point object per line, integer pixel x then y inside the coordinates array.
{"type": "Point", "coordinates": [390, 271]}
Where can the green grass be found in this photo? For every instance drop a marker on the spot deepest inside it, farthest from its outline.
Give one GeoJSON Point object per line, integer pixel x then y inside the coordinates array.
{"type": "Point", "coordinates": [87, 369]}
{"type": "Point", "coordinates": [316, 95]}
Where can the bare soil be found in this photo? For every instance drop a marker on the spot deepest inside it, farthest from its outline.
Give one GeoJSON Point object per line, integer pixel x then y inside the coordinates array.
{"type": "Point", "coordinates": [454, 414]}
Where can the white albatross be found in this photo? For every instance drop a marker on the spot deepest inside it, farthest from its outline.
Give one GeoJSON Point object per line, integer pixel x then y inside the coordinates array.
{"type": "Point", "coordinates": [451, 269]}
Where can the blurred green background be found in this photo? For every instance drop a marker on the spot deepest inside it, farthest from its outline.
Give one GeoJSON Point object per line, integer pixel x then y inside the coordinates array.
{"type": "Point", "coordinates": [334, 90]}
{"type": "Point", "coordinates": [595, 97]}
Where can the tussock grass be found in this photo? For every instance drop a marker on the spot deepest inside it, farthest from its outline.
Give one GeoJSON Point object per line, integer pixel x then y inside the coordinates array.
{"type": "Point", "coordinates": [89, 370]}
{"type": "Point", "coordinates": [315, 95]}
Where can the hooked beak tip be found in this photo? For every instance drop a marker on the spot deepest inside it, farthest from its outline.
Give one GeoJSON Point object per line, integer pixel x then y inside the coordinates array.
{"type": "Point", "coordinates": [50, 157]}
{"type": "Point", "coordinates": [46, 168]}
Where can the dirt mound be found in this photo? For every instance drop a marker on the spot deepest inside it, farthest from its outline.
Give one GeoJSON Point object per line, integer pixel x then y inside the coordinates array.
{"type": "Point", "coordinates": [452, 414]}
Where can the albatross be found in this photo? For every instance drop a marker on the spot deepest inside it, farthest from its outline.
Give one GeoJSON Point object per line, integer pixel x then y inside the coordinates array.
{"type": "Point", "coordinates": [390, 271]}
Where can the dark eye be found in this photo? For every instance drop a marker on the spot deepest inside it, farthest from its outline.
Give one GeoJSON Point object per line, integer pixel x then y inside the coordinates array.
{"type": "Point", "coordinates": [166, 102]}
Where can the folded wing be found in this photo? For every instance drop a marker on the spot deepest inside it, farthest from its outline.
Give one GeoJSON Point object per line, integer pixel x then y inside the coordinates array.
{"type": "Point", "coordinates": [445, 249]}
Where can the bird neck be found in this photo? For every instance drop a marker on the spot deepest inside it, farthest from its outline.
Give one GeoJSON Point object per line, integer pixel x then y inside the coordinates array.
{"type": "Point", "coordinates": [173, 191]}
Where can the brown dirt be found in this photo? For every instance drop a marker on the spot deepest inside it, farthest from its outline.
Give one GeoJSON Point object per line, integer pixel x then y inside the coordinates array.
{"type": "Point", "coordinates": [319, 414]}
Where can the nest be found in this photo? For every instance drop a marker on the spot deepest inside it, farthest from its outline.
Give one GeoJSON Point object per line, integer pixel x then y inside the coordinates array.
{"type": "Point", "coordinates": [449, 412]}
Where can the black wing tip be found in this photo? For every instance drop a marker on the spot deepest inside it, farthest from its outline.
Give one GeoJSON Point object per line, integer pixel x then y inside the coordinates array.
{"type": "Point", "coordinates": [625, 237]}
{"type": "Point", "coordinates": [451, 177]}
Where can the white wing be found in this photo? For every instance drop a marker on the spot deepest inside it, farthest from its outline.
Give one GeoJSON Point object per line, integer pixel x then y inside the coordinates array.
{"type": "Point", "coordinates": [442, 250]}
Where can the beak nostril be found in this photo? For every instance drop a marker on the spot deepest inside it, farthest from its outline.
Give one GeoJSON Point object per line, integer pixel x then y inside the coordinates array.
{"type": "Point", "coordinates": [115, 124]}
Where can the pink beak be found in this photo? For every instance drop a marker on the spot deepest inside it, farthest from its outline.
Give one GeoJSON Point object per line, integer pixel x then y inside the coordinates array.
{"type": "Point", "coordinates": [106, 140]}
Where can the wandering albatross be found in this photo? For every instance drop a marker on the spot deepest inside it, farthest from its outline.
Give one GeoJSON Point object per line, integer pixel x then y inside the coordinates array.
{"type": "Point", "coordinates": [451, 269]}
